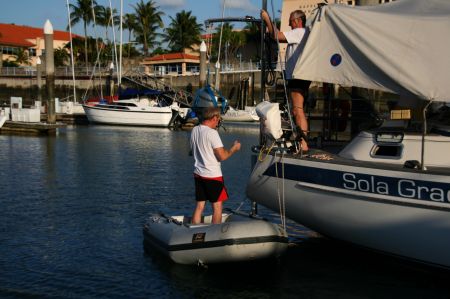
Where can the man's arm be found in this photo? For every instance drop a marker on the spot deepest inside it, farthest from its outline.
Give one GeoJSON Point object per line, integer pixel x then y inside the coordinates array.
{"type": "Point", "coordinates": [222, 154]}
{"type": "Point", "coordinates": [273, 32]}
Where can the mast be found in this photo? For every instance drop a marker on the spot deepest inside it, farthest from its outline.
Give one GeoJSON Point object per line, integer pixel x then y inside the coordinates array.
{"type": "Point", "coordinates": [72, 63]}
{"type": "Point", "coordinates": [217, 73]}
{"type": "Point", "coordinates": [120, 43]}
{"type": "Point", "coordinates": [263, 63]}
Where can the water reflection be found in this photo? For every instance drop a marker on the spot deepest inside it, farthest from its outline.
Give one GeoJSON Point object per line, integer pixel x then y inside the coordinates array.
{"type": "Point", "coordinates": [73, 206]}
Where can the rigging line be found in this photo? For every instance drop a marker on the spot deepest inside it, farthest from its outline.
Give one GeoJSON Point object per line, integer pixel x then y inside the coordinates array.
{"type": "Point", "coordinates": [208, 48]}
{"type": "Point", "coordinates": [217, 66]}
{"type": "Point", "coordinates": [424, 132]}
{"type": "Point", "coordinates": [72, 63]}
{"type": "Point", "coordinates": [221, 31]}
{"type": "Point", "coordinates": [283, 198]}
{"type": "Point", "coordinates": [97, 60]}
{"type": "Point", "coordinates": [98, 54]}
{"type": "Point", "coordinates": [280, 197]}
{"type": "Point", "coordinates": [121, 42]}
{"type": "Point", "coordinates": [275, 32]}
{"type": "Point", "coordinates": [111, 18]}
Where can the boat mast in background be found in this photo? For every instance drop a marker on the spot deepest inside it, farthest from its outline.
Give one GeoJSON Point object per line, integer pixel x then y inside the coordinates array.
{"type": "Point", "coordinates": [119, 78]}
{"type": "Point", "coordinates": [72, 62]}
{"type": "Point", "coordinates": [263, 51]}
{"type": "Point", "coordinates": [217, 84]}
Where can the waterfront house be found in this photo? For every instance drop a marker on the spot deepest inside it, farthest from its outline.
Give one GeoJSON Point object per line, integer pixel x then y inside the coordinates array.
{"type": "Point", "coordinates": [14, 38]}
{"type": "Point", "coordinates": [183, 63]}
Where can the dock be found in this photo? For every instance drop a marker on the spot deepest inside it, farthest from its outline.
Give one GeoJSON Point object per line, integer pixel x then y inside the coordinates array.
{"type": "Point", "coordinates": [69, 119]}
{"type": "Point", "coordinates": [17, 127]}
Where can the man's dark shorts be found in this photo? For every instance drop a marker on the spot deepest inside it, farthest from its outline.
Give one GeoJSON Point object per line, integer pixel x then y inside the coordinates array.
{"type": "Point", "coordinates": [300, 85]}
{"type": "Point", "coordinates": [210, 189]}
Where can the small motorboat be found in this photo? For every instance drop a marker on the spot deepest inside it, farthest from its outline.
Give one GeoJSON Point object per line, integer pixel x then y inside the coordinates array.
{"type": "Point", "coordinates": [240, 237]}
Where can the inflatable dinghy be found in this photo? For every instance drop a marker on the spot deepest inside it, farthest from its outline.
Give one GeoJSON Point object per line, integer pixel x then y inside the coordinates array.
{"type": "Point", "coordinates": [240, 237]}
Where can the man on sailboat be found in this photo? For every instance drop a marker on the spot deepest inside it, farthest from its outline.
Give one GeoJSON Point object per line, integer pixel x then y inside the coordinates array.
{"type": "Point", "coordinates": [208, 151]}
{"type": "Point", "coordinates": [296, 39]}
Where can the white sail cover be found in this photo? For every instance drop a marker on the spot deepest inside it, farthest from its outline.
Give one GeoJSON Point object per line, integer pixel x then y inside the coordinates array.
{"type": "Point", "coordinates": [401, 47]}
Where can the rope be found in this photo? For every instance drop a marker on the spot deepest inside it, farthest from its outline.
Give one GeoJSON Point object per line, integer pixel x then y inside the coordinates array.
{"type": "Point", "coordinates": [262, 151]}
{"type": "Point", "coordinates": [281, 201]}
{"type": "Point", "coordinates": [221, 31]}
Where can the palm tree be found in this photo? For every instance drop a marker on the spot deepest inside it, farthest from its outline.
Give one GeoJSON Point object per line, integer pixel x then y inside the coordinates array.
{"type": "Point", "coordinates": [84, 10]}
{"type": "Point", "coordinates": [106, 18]}
{"type": "Point", "coordinates": [148, 21]}
{"type": "Point", "coordinates": [253, 36]}
{"type": "Point", "coordinates": [130, 23]}
{"type": "Point", "coordinates": [22, 57]}
{"type": "Point", "coordinates": [61, 56]}
{"type": "Point", "coordinates": [92, 46]}
{"type": "Point", "coordinates": [232, 41]}
{"type": "Point", "coordinates": [183, 32]}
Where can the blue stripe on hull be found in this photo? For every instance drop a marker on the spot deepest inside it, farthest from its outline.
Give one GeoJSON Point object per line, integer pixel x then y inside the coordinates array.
{"type": "Point", "coordinates": [383, 185]}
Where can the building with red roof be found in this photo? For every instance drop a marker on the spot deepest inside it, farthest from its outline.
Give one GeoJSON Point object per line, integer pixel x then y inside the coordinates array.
{"type": "Point", "coordinates": [15, 37]}
{"type": "Point", "coordinates": [182, 63]}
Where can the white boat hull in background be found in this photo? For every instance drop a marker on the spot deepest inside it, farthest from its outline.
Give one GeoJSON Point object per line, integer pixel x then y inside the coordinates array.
{"type": "Point", "coordinates": [247, 115]}
{"type": "Point", "coordinates": [150, 116]}
{"type": "Point", "coordinates": [3, 119]}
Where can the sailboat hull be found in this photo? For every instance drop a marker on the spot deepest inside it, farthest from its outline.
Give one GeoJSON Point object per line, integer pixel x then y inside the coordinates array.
{"type": "Point", "coordinates": [400, 212]}
{"type": "Point", "coordinates": [247, 115]}
{"type": "Point", "coordinates": [150, 116]}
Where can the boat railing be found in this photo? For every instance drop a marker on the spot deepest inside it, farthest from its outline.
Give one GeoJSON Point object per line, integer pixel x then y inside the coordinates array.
{"type": "Point", "coordinates": [140, 78]}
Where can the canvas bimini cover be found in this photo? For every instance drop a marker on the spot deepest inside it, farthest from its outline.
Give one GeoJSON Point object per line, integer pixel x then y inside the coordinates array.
{"type": "Point", "coordinates": [401, 47]}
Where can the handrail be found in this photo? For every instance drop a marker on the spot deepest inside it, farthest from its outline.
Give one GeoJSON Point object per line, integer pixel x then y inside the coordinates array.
{"type": "Point", "coordinates": [178, 95]}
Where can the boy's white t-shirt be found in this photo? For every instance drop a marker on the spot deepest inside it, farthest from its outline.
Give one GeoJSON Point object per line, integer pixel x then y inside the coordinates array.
{"type": "Point", "coordinates": [203, 142]}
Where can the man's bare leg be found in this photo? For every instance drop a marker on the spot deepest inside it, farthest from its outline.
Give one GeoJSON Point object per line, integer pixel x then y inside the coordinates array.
{"type": "Point", "coordinates": [197, 216]}
{"type": "Point", "coordinates": [299, 114]}
{"type": "Point", "coordinates": [217, 212]}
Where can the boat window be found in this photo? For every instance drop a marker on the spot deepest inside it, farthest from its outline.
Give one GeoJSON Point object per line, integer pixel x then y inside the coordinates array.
{"type": "Point", "coordinates": [387, 151]}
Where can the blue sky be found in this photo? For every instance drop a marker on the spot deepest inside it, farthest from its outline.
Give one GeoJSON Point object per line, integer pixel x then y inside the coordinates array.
{"type": "Point", "coordinates": [35, 12]}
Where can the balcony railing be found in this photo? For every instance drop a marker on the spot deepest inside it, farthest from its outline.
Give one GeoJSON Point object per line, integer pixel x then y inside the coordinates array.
{"type": "Point", "coordinates": [31, 71]}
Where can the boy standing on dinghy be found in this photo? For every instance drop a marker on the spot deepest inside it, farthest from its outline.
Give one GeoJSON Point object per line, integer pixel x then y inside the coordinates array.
{"type": "Point", "coordinates": [208, 151]}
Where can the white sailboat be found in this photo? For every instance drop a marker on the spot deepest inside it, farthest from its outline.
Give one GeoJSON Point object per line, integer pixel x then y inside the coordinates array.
{"type": "Point", "coordinates": [388, 189]}
{"type": "Point", "coordinates": [155, 110]}
{"type": "Point", "coordinates": [132, 112]}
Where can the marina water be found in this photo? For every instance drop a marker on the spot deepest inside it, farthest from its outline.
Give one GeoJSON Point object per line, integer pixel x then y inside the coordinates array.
{"type": "Point", "coordinates": [72, 209]}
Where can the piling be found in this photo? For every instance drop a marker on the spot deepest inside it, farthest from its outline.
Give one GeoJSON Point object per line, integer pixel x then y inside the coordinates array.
{"type": "Point", "coordinates": [202, 82]}
{"type": "Point", "coordinates": [217, 75]}
{"type": "Point", "coordinates": [50, 72]}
